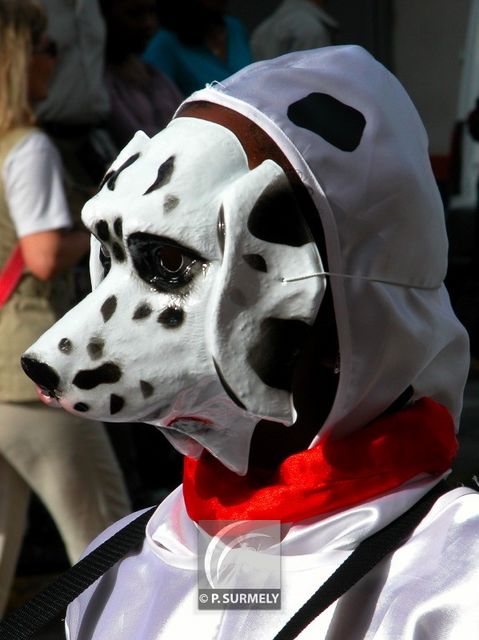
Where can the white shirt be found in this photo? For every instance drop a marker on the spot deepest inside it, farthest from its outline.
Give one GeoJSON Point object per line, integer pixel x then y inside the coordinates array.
{"type": "Point", "coordinates": [296, 25]}
{"type": "Point", "coordinates": [32, 177]}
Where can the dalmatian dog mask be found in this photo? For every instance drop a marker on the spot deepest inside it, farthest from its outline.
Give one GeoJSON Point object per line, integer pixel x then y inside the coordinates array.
{"type": "Point", "coordinates": [190, 325]}
{"type": "Point", "coordinates": [205, 277]}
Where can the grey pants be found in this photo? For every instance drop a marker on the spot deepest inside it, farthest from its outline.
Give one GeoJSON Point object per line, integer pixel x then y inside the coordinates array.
{"type": "Point", "coordinates": [70, 464]}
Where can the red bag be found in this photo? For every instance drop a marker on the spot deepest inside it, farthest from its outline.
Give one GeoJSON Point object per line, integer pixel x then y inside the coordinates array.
{"type": "Point", "coordinates": [10, 274]}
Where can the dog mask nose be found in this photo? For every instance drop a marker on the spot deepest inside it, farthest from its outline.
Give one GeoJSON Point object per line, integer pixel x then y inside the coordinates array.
{"type": "Point", "coordinates": [42, 374]}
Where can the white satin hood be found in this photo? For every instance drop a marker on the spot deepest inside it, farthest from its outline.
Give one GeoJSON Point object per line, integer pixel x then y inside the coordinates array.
{"type": "Point", "coordinates": [383, 220]}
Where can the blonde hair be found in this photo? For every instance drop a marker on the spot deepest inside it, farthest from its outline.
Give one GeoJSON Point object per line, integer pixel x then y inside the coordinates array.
{"type": "Point", "coordinates": [22, 24]}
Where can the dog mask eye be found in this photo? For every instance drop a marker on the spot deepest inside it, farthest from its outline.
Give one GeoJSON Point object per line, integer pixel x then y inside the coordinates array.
{"type": "Point", "coordinates": [163, 263]}
{"type": "Point", "coordinates": [171, 259]}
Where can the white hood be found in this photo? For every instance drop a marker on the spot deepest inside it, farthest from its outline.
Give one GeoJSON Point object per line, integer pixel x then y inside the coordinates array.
{"type": "Point", "coordinates": [368, 171]}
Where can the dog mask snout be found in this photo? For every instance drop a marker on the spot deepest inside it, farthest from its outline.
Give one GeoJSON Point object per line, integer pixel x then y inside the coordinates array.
{"type": "Point", "coordinates": [42, 374]}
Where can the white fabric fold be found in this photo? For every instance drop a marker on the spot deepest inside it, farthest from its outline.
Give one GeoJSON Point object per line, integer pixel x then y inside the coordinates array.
{"type": "Point", "coordinates": [422, 591]}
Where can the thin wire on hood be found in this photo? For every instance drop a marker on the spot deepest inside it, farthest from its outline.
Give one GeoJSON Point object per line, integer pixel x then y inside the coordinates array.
{"type": "Point", "coordinates": [319, 274]}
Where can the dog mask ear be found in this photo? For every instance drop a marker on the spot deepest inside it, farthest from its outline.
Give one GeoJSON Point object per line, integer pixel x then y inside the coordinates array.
{"type": "Point", "coordinates": [257, 321]}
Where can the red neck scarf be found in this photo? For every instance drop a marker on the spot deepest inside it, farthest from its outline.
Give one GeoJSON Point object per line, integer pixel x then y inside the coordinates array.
{"type": "Point", "coordinates": [335, 474]}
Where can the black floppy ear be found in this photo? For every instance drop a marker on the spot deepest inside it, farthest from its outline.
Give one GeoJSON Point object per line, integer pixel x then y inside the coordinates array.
{"type": "Point", "coordinates": [257, 321]}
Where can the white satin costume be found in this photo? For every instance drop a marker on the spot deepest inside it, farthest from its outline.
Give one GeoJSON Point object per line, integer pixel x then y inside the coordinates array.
{"type": "Point", "coordinates": [387, 255]}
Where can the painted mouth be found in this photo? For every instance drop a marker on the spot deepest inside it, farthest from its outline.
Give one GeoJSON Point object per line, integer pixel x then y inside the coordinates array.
{"type": "Point", "coordinates": [46, 397]}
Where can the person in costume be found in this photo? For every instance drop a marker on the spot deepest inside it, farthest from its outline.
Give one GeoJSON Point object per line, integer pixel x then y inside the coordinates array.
{"type": "Point", "coordinates": [268, 289]}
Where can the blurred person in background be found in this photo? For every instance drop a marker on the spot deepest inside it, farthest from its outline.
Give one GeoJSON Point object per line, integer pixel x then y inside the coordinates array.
{"type": "Point", "coordinates": [66, 460]}
{"type": "Point", "coordinates": [75, 114]}
{"type": "Point", "coordinates": [77, 106]}
{"type": "Point", "coordinates": [296, 25]}
{"type": "Point", "coordinates": [198, 43]}
{"type": "Point", "coordinates": [141, 97]}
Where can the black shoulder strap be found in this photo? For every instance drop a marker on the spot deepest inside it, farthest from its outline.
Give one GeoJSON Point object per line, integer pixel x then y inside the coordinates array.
{"type": "Point", "coordinates": [23, 622]}
{"type": "Point", "coordinates": [366, 555]}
